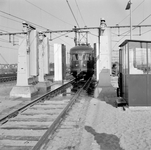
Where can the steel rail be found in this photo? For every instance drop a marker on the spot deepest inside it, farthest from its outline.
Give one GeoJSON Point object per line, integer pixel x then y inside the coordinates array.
{"type": "Point", "coordinates": [47, 136]}
{"type": "Point", "coordinates": [6, 79]}
{"type": "Point", "coordinates": [37, 100]}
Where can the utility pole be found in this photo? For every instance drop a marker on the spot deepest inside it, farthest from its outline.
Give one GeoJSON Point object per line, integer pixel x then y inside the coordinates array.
{"type": "Point", "coordinates": [129, 6]}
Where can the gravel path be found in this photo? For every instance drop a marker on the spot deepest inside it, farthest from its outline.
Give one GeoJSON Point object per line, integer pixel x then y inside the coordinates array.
{"type": "Point", "coordinates": [111, 128]}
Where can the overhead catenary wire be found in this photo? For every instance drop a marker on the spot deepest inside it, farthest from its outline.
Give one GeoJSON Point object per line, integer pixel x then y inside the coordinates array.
{"type": "Point", "coordinates": [80, 13]}
{"type": "Point", "coordinates": [9, 28]}
{"type": "Point", "coordinates": [132, 11]}
{"type": "Point", "coordinates": [146, 32]}
{"type": "Point", "coordinates": [11, 19]}
{"type": "Point", "coordinates": [8, 32]}
{"type": "Point", "coordinates": [4, 58]}
{"type": "Point", "coordinates": [9, 47]}
{"type": "Point", "coordinates": [23, 19]}
{"type": "Point", "coordinates": [72, 13]}
{"type": "Point", "coordinates": [133, 29]}
{"type": "Point", "coordinates": [52, 16]}
{"type": "Point", "coordinates": [48, 13]}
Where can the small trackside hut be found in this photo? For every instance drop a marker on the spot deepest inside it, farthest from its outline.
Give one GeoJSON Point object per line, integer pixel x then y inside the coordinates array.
{"type": "Point", "coordinates": [135, 72]}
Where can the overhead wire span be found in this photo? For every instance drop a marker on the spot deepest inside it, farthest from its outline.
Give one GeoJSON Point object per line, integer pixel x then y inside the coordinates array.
{"type": "Point", "coordinates": [80, 13]}
{"type": "Point", "coordinates": [146, 32]}
{"type": "Point", "coordinates": [54, 17]}
{"type": "Point", "coordinates": [4, 40]}
{"type": "Point", "coordinates": [22, 19]}
{"type": "Point", "coordinates": [11, 19]}
{"type": "Point", "coordinates": [9, 27]}
{"type": "Point", "coordinates": [4, 58]}
{"type": "Point", "coordinates": [132, 11]}
{"type": "Point", "coordinates": [72, 13]}
{"type": "Point", "coordinates": [93, 34]}
{"type": "Point", "coordinates": [8, 32]}
{"type": "Point", "coordinates": [48, 13]}
{"type": "Point", "coordinates": [60, 36]}
{"type": "Point", "coordinates": [8, 47]}
{"type": "Point", "coordinates": [134, 28]}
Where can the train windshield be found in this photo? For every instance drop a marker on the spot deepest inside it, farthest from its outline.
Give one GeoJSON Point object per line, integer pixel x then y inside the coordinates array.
{"type": "Point", "coordinates": [76, 57]}
{"type": "Point", "coordinates": [87, 57]}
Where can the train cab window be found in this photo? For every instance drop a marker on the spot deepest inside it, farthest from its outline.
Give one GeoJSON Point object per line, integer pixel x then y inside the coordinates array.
{"type": "Point", "coordinates": [76, 57]}
{"type": "Point", "coordinates": [87, 57]}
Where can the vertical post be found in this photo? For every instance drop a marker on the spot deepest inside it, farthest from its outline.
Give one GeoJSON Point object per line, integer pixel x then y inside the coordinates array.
{"type": "Point", "coordinates": [99, 34]}
{"type": "Point", "coordinates": [86, 37]}
{"type": "Point", "coordinates": [130, 20]}
{"type": "Point", "coordinates": [129, 6]}
{"type": "Point", "coordinates": [75, 39]}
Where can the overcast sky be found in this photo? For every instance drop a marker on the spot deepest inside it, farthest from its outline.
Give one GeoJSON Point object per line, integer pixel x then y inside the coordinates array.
{"type": "Point", "coordinates": [56, 15]}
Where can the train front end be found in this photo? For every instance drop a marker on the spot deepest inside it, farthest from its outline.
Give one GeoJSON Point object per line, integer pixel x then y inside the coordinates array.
{"type": "Point", "coordinates": [82, 61]}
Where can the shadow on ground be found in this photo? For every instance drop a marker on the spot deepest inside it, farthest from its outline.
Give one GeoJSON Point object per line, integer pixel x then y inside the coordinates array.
{"type": "Point", "coordinates": [106, 141]}
{"type": "Point", "coordinates": [108, 94]}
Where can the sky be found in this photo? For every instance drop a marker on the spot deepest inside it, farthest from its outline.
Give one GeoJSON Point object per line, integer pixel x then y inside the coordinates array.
{"type": "Point", "coordinates": [57, 15]}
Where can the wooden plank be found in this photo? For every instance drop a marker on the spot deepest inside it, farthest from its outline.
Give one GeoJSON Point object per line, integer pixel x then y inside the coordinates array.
{"type": "Point", "coordinates": [25, 132]}
{"type": "Point", "coordinates": [26, 125]}
{"type": "Point", "coordinates": [17, 143]}
{"type": "Point", "coordinates": [15, 147]}
{"type": "Point", "coordinates": [33, 111]}
{"type": "Point", "coordinates": [25, 138]}
{"type": "Point", "coordinates": [36, 116]}
{"type": "Point", "coordinates": [50, 106]}
{"type": "Point", "coordinates": [33, 119]}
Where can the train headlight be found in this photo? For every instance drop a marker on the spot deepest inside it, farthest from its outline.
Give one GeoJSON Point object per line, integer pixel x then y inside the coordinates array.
{"type": "Point", "coordinates": [76, 65]}
{"type": "Point", "coordinates": [84, 65]}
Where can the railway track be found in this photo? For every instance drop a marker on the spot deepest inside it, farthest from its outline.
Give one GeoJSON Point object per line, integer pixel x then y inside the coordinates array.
{"type": "Point", "coordinates": [36, 123]}
{"type": "Point", "coordinates": [8, 77]}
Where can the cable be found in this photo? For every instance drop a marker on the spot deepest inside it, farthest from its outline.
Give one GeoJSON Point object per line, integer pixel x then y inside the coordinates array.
{"type": "Point", "coordinates": [80, 13]}
{"type": "Point", "coordinates": [9, 27]}
{"type": "Point", "coordinates": [4, 59]}
{"type": "Point", "coordinates": [8, 47]}
{"type": "Point", "coordinates": [133, 28]}
{"type": "Point", "coordinates": [146, 32]}
{"type": "Point", "coordinates": [144, 20]}
{"type": "Point", "coordinates": [60, 36]}
{"type": "Point", "coordinates": [11, 19]}
{"type": "Point", "coordinates": [22, 19]}
{"type": "Point", "coordinates": [93, 34]}
{"type": "Point", "coordinates": [8, 32]}
{"type": "Point", "coordinates": [48, 13]}
{"type": "Point", "coordinates": [72, 13]}
{"type": "Point", "coordinates": [3, 40]}
{"type": "Point", "coordinates": [132, 11]}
